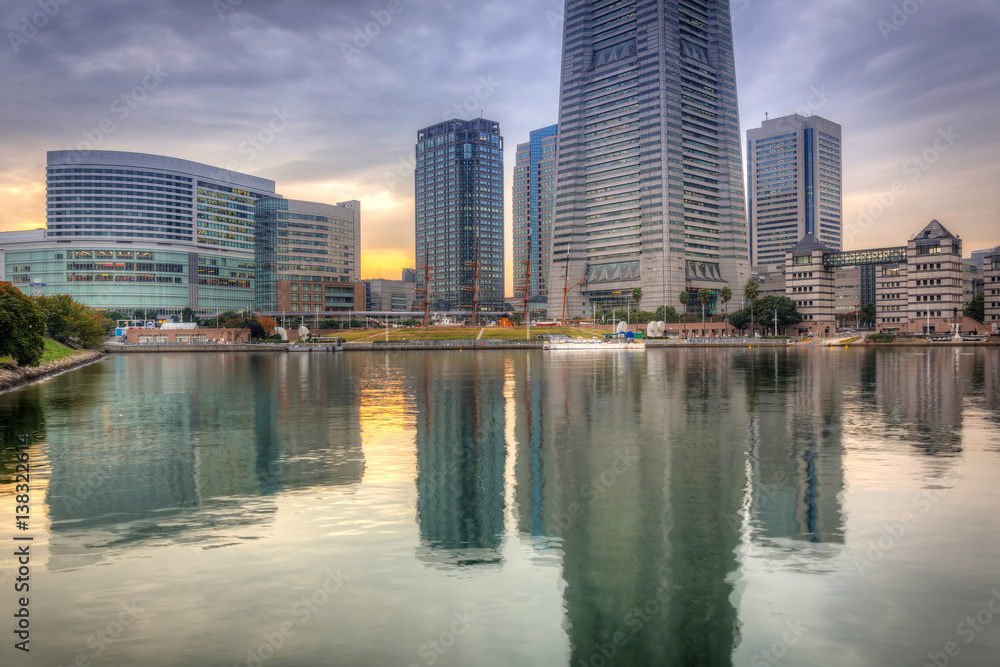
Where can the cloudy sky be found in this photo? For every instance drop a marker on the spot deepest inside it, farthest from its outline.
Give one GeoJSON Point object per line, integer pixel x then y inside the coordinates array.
{"type": "Point", "coordinates": [915, 85]}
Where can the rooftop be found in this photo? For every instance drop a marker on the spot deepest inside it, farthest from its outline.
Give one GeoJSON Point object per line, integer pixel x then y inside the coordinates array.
{"type": "Point", "coordinates": [934, 231]}
{"type": "Point", "coordinates": [808, 244]}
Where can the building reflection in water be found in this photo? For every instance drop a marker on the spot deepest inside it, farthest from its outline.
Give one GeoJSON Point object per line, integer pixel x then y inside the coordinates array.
{"type": "Point", "coordinates": [186, 447]}
{"type": "Point", "coordinates": [795, 471]}
{"type": "Point", "coordinates": [637, 481]}
{"type": "Point", "coordinates": [920, 395]}
{"type": "Point", "coordinates": [461, 456]}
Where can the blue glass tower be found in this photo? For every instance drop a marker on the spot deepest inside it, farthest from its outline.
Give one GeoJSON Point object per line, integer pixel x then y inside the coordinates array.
{"type": "Point", "coordinates": [459, 214]}
{"type": "Point", "coordinates": [534, 202]}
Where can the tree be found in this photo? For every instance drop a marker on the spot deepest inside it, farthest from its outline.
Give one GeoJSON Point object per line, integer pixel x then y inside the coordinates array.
{"type": "Point", "coordinates": [268, 324]}
{"type": "Point", "coordinates": [684, 297]}
{"type": "Point", "coordinates": [750, 294]}
{"type": "Point", "coordinates": [188, 315]}
{"type": "Point", "coordinates": [667, 314]}
{"type": "Point", "coordinates": [976, 309]}
{"type": "Point", "coordinates": [244, 320]}
{"type": "Point", "coordinates": [109, 320]}
{"type": "Point", "coordinates": [636, 298]}
{"type": "Point", "coordinates": [704, 296]}
{"type": "Point", "coordinates": [229, 319]}
{"type": "Point", "coordinates": [725, 294]}
{"type": "Point", "coordinates": [868, 314]}
{"type": "Point", "coordinates": [787, 313]}
{"type": "Point", "coordinates": [740, 319]}
{"type": "Point", "coordinates": [22, 327]}
{"type": "Point", "coordinates": [143, 313]}
{"type": "Point", "coordinates": [69, 321]}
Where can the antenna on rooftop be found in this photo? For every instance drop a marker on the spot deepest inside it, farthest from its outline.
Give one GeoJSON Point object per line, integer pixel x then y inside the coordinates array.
{"type": "Point", "coordinates": [765, 115]}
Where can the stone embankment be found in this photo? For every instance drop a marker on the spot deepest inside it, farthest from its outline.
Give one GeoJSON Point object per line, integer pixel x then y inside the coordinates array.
{"type": "Point", "coordinates": [13, 376]}
{"type": "Point", "coordinates": [208, 347]}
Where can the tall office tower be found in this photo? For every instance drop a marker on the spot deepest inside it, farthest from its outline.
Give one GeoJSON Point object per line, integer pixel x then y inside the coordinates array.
{"type": "Point", "coordinates": [649, 175]}
{"type": "Point", "coordinates": [794, 180]}
{"type": "Point", "coordinates": [459, 215]}
{"type": "Point", "coordinates": [305, 252]}
{"type": "Point", "coordinates": [534, 203]}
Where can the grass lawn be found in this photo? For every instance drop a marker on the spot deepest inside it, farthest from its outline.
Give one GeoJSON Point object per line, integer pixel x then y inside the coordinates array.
{"type": "Point", "coordinates": [469, 333]}
{"type": "Point", "coordinates": [54, 351]}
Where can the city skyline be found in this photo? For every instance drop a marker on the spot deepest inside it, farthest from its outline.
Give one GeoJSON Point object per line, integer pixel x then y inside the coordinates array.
{"type": "Point", "coordinates": [234, 84]}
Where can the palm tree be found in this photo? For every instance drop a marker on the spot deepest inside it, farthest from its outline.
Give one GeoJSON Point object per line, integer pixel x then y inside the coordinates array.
{"type": "Point", "coordinates": [750, 294]}
{"type": "Point", "coordinates": [725, 294]}
{"type": "Point", "coordinates": [636, 298]}
{"type": "Point", "coordinates": [683, 298]}
{"type": "Point", "coordinates": [704, 296]}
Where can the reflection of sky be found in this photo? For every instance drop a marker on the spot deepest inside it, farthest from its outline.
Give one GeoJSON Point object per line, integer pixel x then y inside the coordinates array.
{"type": "Point", "coordinates": [214, 574]}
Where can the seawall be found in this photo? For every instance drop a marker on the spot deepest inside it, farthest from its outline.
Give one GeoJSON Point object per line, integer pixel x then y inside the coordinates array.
{"type": "Point", "coordinates": [12, 376]}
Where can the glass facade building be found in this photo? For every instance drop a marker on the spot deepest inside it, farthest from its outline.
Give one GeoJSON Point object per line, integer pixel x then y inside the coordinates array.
{"type": "Point", "coordinates": [302, 249]}
{"type": "Point", "coordinates": [105, 201]}
{"type": "Point", "coordinates": [794, 180]}
{"type": "Point", "coordinates": [132, 231]}
{"type": "Point", "coordinates": [138, 196]}
{"type": "Point", "coordinates": [126, 276]}
{"type": "Point", "coordinates": [649, 174]}
{"type": "Point", "coordinates": [459, 214]}
{"type": "Point", "coordinates": [534, 203]}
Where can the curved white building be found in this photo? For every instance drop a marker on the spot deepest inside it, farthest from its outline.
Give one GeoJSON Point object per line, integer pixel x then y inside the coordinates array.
{"type": "Point", "coordinates": [130, 231]}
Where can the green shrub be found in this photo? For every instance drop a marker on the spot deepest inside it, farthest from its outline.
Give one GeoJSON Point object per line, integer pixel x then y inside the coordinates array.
{"type": "Point", "coordinates": [881, 337]}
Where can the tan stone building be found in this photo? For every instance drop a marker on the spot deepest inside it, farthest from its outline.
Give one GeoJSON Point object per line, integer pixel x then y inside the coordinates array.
{"type": "Point", "coordinates": [890, 296]}
{"type": "Point", "coordinates": [917, 288]}
{"type": "Point", "coordinates": [810, 284]}
{"type": "Point", "coordinates": [991, 289]}
{"type": "Point", "coordinates": [934, 279]}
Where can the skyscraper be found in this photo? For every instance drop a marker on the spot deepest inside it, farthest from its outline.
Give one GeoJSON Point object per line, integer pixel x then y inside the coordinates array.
{"type": "Point", "coordinates": [650, 177]}
{"type": "Point", "coordinates": [794, 180]}
{"type": "Point", "coordinates": [534, 203]}
{"type": "Point", "coordinates": [459, 214]}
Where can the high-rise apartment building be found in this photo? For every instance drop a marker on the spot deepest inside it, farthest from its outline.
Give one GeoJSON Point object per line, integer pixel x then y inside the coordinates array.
{"type": "Point", "coordinates": [794, 181]}
{"type": "Point", "coordinates": [649, 174]}
{"type": "Point", "coordinates": [307, 256]}
{"type": "Point", "coordinates": [459, 215]}
{"type": "Point", "coordinates": [534, 203]}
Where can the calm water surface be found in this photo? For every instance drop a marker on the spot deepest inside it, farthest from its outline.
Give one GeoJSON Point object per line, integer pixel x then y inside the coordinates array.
{"type": "Point", "coordinates": [723, 507]}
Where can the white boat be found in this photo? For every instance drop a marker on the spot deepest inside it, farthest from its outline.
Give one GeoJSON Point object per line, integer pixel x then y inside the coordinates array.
{"type": "Point", "coordinates": [596, 344]}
